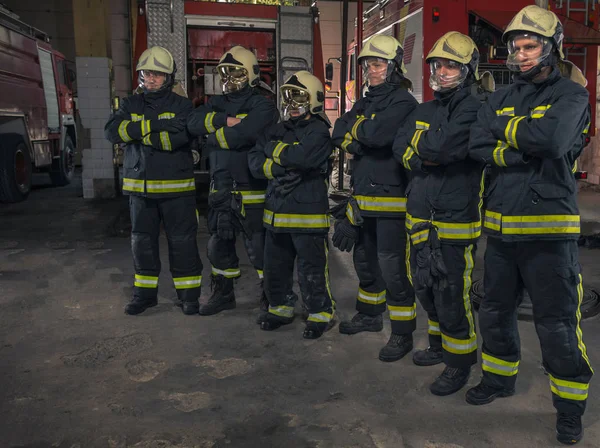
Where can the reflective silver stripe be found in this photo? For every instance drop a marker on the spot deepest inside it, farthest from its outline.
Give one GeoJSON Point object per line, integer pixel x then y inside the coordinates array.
{"type": "Point", "coordinates": [434, 327]}
{"type": "Point", "coordinates": [510, 370]}
{"type": "Point", "coordinates": [570, 390]}
{"type": "Point", "coordinates": [167, 185]}
{"type": "Point", "coordinates": [229, 273]}
{"type": "Point", "coordinates": [375, 298]}
{"type": "Point", "coordinates": [529, 224]}
{"type": "Point", "coordinates": [283, 311]}
{"type": "Point", "coordinates": [380, 204]}
{"type": "Point", "coordinates": [320, 317]}
{"type": "Point", "coordinates": [188, 282]}
{"type": "Point", "coordinates": [322, 220]}
{"type": "Point", "coordinates": [466, 346]}
{"type": "Point", "coordinates": [147, 282]}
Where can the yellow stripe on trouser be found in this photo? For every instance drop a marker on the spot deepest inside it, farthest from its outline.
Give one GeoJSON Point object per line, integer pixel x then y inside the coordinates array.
{"type": "Point", "coordinates": [229, 273]}
{"type": "Point", "coordinates": [371, 298]}
{"type": "Point", "coordinates": [570, 390]}
{"type": "Point", "coordinates": [187, 282]}
{"type": "Point", "coordinates": [208, 122]}
{"type": "Point", "coordinates": [146, 281]}
{"type": "Point", "coordinates": [221, 138]}
{"type": "Point", "coordinates": [327, 282]}
{"type": "Point", "coordinates": [402, 313]}
{"type": "Point", "coordinates": [323, 317]}
{"type": "Point", "coordinates": [260, 273]}
{"type": "Point", "coordinates": [511, 131]}
{"type": "Point", "coordinates": [499, 366]}
{"type": "Point", "coordinates": [123, 131]}
{"type": "Point", "coordinates": [467, 281]}
{"type": "Point", "coordinates": [459, 346]}
{"type": "Point", "coordinates": [282, 311]}
{"type": "Point", "coordinates": [434, 328]}
{"type": "Point", "coordinates": [407, 259]}
{"type": "Point", "coordinates": [580, 343]}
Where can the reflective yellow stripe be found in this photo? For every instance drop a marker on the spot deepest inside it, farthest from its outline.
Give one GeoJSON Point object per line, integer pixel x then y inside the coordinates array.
{"type": "Point", "coordinates": [229, 273]}
{"type": "Point", "coordinates": [268, 217]}
{"type": "Point", "coordinates": [542, 224]}
{"type": "Point", "coordinates": [570, 390]}
{"type": "Point", "coordinates": [146, 133]}
{"type": "Point", "coordinates": [241, 116]}
{"type": "Point", "coordinates": [268, 168]}
{"type": "Point", "coordinates": [355, 127]}
{"type": "Point", "coordinates": [300, 221]}
{"type": "Point", "coordinates": [133, 185]}
{"type": "Point", "coordinates": [423, 125]}
{"type": "Point", "coordinates": [416, 139]}
{"type": "Point", "coordinates": [492, 220]}
{"type": "Point", "coordinates": [347, 141]}
{"type": "Point", "coordinates": [170, 186]}
{"type": "Point", "coordinates": [506, 112]}
{"type": "Point", "coordinates": [327, 282]}
{"type": "Point", "coordinates": [587, 128]}
{"type": "Point", "coordinates": [447, 230]}
{"type": "Point", "coordinates": [166, 116]}
{"type": "Point", "coordinates": [252, 197]}
{"type": "Point", "coordinates": [146, 281]}
{"type": "Point", "coordinates": [419, 237]}
{"type": "Point", "coordinates": [371, 298]}
{"type": "Point", "coordinates": [282, 311]}
{"type": "Point", "coordinates": [165, 140]}
{"type": "Point", "coordinates": [499, 153]}
{"type": "Point", "coordinates": [459, 346]}
{"type": "Point", "coordinates": [402, 313]}
{"type": "Point", "coordinates": [208, 122]}
{"type": "Point", "coordinates": [381, 204]}
{"type": "Point", "coordinates": [350, 214]}
{"type": "Point", "coordinates": [320, 317]}
{"type": "Point", "coordinates": [407, 156]}
{"type": "Point", "coordinates": [540, 111]}
{"type": "Point", "coordinates": [434, 328]}
{"type": "Point", "coordinates": [277, 152]}
{"type": "Point", "coordinates": [511, 131]}
{"type": "Point", "coordinates": [123, 131]}
{"type": "Point", "coordinates": [407, 259]}
{"type": "Point", "coordinates": [498, 366]}
{"type": "Point", "coordinates": [578, 332]}
{"type": "Point", "coordinates": [260, 273]}
{"type": "Point", "coordinates": [187, 282]}
{"type": "Point", "coordinates": [136, 117]}
{"type": "Point", "coordinates": [574, 169]}
{"type": "Point", "coordinates": [221, 138]}
{"type": "Point", "coordinates": [467, 282]}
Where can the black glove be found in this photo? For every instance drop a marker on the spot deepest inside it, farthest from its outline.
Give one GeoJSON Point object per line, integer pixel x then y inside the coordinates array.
{"type": "Point", "coordinates": [220, 200]}
{"type": "Point", "coordinates": [239, 214]}
{"type": "Point", "coordinates": [345, 235]}
{"type": "Point", "coordinates": [169, 125]}
{"type": "Point", "coordinates": [288, 182]}
{"type": "Point", "coordinates": [225, 226]}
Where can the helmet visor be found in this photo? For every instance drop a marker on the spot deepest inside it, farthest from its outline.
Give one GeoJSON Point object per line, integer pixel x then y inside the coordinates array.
{"type": "Point", "coordinates": [152, 80]}
{"type": "Point", "coordinates": [526, 51]}
{"type": "Point", "coordinates": [295, 102]}
{"type": "Point", "coordinates": [446, 74]}
{"type": "Point", "coordinates": [233, 77]}
{"type": "Point", "coordinates": [375, 70]}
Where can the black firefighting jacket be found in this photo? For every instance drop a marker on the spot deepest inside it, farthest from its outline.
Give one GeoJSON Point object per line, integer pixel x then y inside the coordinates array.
{"type": "Point", "coordinates": [228, 146]}
{"type": "Point", "coordinates": [303, 147]}
{"type": "Point", "coordinates": [530, 134]}
{"type": "Point", "coordinates": [156, 164]}
{"type": "Point", "coordinates": [449, 193]}
{"type": "Point", "coordinates": [367, 132]}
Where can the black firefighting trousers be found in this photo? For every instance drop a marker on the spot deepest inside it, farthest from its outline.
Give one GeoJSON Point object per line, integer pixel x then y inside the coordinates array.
{"type": "Point", "coordinates": [311, 252]}
{"type": "Point", "coordinates": [449, 313]}
{"type": "Point", "coordinates": [550, 272]}
{"type": "Point", "coordinates": [381, 259]}
{"type": "Point", "coordinates": [222, 253]}
{"type": "Point", "coordinates": [179, 219]}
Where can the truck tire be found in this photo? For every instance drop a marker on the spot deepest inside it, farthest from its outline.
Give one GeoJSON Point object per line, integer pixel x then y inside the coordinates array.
{"type": "Point", "coordinates": [15, 168]}
{"type": "Point", "coordinates": [64, 168]}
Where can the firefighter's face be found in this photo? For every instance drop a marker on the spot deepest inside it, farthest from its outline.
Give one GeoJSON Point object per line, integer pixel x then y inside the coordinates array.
{"type": "Point", "coordinates": [527, 51]}
{"type": "Point", "coordinates": [153, 80]}
{"type": "Point", "coordinates": [447, 71]}
{"type": "Point", "coordinates": [375, 70]}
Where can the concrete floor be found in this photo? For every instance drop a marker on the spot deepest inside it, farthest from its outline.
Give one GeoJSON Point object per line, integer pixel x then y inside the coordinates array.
{"type": "Point", "coordinates": [77, 373]}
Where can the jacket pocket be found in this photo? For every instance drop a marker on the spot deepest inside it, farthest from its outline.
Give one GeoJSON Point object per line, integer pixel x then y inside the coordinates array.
{"type": "Point", "coordinates": [550, 191]}
{"type": "Point", "coordinates": [132, 158]}
{"type": "Point", "coordinates": [452, 202]}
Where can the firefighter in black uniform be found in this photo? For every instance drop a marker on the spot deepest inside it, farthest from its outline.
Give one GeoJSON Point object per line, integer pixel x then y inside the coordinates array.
{"type": "Point", "coordinates": [158, 176]}
{"type": "Point", "coordinates": [233, 122]}
{"type": "Point", "coordinates": [378, 200]}
{"type": "Point", "coordinates": [528, 133]}
{"type": "Point", "coordinates": [443, 215]}
{"type": "Point", "coordinates": [294, 156]}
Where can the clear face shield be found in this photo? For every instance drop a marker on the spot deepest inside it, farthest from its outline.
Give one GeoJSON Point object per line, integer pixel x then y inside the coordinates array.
{"type": "Point", "coordinates": [526, 51]}
{"type": "Point", "coordinates": [233, 78]}
{"type": "Point", "coordinates": [295, 102]}
{"type": "Point", "coordinates": [375, 70]}
{"type": "Point", "coordinates": [151, 80]}
{"type": "Point", "coordinates": [446, 75]}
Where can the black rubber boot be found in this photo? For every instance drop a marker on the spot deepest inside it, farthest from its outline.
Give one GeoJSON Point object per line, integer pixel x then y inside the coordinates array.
{"type": "Point", "coordinates": [568, 428]}
{"type": "Point", "coordinates": [223, 297]}
{"type": "Point", "coordinates": [362, 322]}
{"type": "Point", "coordinates": [139, 305]}
{"type": "Point", "coordinates": [396, 348]}
{"type": "Point", "coordinates": [314, 330]}
{"type": "Point", "coordinates": [269, 321]}
{"type": "Point", "coordinates": [428, 357]}
{"type": "Point", "coordinates": [484, 394]}
{"type": "Point", "coordinates": [451, 380]}
{"type": "Point", "coordinates": [190, 308]}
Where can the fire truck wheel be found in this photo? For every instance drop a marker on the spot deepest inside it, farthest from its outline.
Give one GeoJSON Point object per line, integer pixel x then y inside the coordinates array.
{"type": "Point", "coordinates": [63, 168]}
{"type": "Point", "coordinates": [15, 168]}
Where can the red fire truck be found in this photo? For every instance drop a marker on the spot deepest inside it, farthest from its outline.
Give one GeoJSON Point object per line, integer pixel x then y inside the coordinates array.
{"type": "Point", "coordinates": [285, 39]}
{"type": "Point", "coordinates": [37, 126]}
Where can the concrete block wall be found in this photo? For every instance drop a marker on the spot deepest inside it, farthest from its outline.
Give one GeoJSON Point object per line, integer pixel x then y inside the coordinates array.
{"type": "Point", "coordinates": [120, 47]}
{"type": "Point", "coordinates": [95, 95]}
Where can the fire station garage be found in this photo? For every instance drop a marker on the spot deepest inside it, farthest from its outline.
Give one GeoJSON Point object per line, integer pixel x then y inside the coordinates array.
{"type": "Point", "coordinates": [78, 372]}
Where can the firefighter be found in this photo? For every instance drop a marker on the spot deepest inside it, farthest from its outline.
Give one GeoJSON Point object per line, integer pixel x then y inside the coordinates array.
{"type": "Point", "coordinates": [294, 156]}
{"type": "Point", "coordinates": [528, 133]}
{"type": "Point", "coordinates": [443, 208]}
{"type": "Point", "coordinates": [232, 123]}
{"type": "Point", "coordinates": [373, 222]}
{"type": "Point", "coordinates": [158, 176]}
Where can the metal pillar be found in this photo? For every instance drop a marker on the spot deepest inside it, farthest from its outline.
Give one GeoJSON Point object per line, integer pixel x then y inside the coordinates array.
{"type": "Point", "coordinates": [343, 76]}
